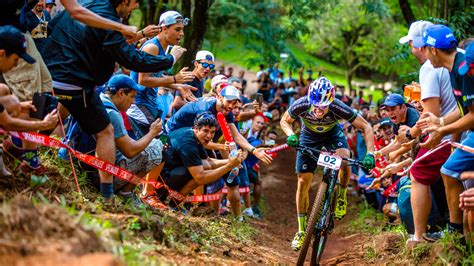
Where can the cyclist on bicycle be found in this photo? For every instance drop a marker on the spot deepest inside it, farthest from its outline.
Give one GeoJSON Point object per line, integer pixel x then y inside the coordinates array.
{"type": "Point", "coordinates": [319, 113]}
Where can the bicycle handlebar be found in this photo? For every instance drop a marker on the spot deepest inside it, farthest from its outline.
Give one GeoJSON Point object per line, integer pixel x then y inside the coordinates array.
{"type": "Point", "coordinates": [312, 151]}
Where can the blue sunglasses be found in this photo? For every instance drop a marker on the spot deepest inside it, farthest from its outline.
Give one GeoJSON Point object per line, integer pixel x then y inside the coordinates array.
{"type": "Point", "coordinates": [207, 65]}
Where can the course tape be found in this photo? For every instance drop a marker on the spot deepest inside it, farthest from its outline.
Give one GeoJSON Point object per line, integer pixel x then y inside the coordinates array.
{"type": "Point", "coordinates": [112, 169]}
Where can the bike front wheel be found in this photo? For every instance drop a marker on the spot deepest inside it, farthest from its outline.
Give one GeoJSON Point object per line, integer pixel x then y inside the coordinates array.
{"type": "Point", "coordinates": [313, 218]}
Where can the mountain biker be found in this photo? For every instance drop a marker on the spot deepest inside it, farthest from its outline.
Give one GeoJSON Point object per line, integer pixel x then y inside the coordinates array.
{"type": "Point", "coordinates": [319, 112]}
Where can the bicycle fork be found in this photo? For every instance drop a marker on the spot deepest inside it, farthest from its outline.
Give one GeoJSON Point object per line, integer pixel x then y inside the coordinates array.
{"type": "Point", "coordinates": [326, 210]}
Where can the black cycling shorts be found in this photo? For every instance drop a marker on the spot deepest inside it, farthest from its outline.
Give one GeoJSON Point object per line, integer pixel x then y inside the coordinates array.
{"type": "Point", "coordinates": [331, 140]}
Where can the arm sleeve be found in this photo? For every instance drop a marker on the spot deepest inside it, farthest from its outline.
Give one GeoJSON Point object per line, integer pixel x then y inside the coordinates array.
{"type": "Point", "coordinates": [119, 126]}
{"type": "Point", "coordinates": [138, 61]}
{"type": "Point", "coordinates": [299, 107]}
{"type": "Point", "coordinates": [343, 111]}
{"type": "Point", "coordinates": [430, 83]}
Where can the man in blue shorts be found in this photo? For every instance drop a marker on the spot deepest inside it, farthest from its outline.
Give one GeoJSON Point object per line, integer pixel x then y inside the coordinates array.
{"type": "Point", "coordinates": [80, 58]}
{"type": "Point", "coordinates": [319, 112]}
{"type": "Point", "coordinates": [440, 48]}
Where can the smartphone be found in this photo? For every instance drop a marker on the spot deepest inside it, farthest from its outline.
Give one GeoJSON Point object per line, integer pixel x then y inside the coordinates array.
{"type": "Point", "coordinates": [259, 98]}
{"type": "Point", "coordinates": [159, 113]}
{"type": "Point", "coordinates": [44, 104]}
{"type": "Point", "coordinates": [168, 50]}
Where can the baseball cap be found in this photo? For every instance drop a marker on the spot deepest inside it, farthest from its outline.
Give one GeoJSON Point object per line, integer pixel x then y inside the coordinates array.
{"type": "Point", "coordinates": [217, 80]}
{"type": "Point", "coordinates": [13, 41]}
{"type": "Point", "coordinates": [172, 17]}
{"type": "Point", "coordinates": [50, 2]}
{"type": "Point", "coordinates": [204, 55]}
{"type": "Point", "coordinates": [437, 36]}
{"type": "Point", "coordinates": [415, 31]}
{"type": "Point", "coordinates": [230, 93]}
{"type": "Point", "coordinates": [468, 62]}
{"type": "Point", "coordinates": [122, 81]}
{"type": "Point", "coordinates": [385, 122]}
{"type": "Point", "coordinates": [394, 100]}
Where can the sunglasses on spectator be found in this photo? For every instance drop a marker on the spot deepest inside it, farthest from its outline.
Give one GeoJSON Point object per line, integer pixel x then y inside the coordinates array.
{"type": "Point", "coordinates": [207, 65]}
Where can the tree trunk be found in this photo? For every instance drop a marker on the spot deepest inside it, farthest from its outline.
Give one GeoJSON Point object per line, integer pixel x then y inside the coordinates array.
{"type": "Point", "coordinates": [195, 31]}
{"type": "Point", "coordinates": [349, 79]}
{"type": "Point", "coordinates": [406, 11]}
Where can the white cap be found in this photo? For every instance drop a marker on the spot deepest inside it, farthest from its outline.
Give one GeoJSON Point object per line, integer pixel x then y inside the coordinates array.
{"type": "Point", "coordinates": [204, 55]}
{"type": "Point", "coordinates": [217, 80]}
{"type": "Point", "coordinates": [416, 31]}
{"type": "Point", "coordinates": [172, 17]}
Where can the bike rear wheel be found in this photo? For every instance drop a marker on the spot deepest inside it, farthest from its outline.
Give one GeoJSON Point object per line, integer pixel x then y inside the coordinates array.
{"type": "Point", "coordinates": [313, 218]}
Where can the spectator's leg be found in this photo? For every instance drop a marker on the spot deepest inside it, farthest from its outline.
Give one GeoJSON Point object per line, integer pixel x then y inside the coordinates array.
{"type": "Point", "coordinates": [106, 151]}
{"type": "Point", "coordinates": [453, 188]}
{"type": "Point", "coordinates": [233, 195]}
{"type": "Point", "coordinates": [152, 176]}
{"type": "Point", "coordinates": [257, 192]}
{"type": "Point", "coordinates": [247, 201]}
{"type": "Point", "coordinates": [421, 207]}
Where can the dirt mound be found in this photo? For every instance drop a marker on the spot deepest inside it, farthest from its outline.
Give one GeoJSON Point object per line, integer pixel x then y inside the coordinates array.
{"type": "Point", "coordinates": [26, 229]}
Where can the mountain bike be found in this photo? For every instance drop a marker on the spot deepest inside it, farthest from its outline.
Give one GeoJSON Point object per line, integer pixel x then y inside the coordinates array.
{"type": "Point", "coordinates": [321, 220]}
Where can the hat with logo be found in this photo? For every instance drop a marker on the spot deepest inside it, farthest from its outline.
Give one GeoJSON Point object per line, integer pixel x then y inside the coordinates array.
{"type": "Point", "coordinates": [49, 2]}
{"type": "Point", "coordinates": [415, 31]}
{"type": "Point", "coordinates": [122, 81]}
{"type": "Point", "coordinates": [437, 36]}
{"type": "Point", "coordinates": [385, 122]}
{"type": "Point", "coordinates": [204, 55]}
{"type": "Point", "coordinates": [13, 42]}
{"type": "Point", "coordinates": [217, 80]}
{"type": "Point", "coordinates": [468, 62]}
{"type": "Point", "coordinates": [230, 93]}
{"type": "Point", "coordinates": [393, 100]}
{"type": "Point", "coordinates": [172, 17]}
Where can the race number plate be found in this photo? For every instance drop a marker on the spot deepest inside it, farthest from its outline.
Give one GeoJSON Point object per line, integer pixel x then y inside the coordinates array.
{"type": "Point", "coordinates": [330, 161]}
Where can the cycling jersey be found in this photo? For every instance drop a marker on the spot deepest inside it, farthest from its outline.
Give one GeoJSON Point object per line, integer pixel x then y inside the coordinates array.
{"type": "Point", "coordinates": [311, 125]}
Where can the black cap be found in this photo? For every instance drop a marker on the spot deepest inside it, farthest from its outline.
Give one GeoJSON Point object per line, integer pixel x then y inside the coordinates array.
{"type": "Point", "coordinates": [13, 42]}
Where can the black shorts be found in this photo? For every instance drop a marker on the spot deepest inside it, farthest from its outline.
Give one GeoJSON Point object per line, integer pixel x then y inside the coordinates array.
{"type": "Point", "coordinates": [254, 177]}
{"type": "Point", "coordinates": [333, 140]}
{"type": "Point", "coordinates": [86, 107]}
{"type": "Point", "coordinates": [176, 178]}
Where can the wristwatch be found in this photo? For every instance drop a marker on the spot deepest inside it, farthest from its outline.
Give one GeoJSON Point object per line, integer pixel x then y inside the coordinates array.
{"type": "Point", "coordinates": [252, 150]}
{"type": "Point", "coordinates": [408, 135]}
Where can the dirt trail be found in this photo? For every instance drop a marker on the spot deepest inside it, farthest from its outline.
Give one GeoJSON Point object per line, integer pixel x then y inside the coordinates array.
{"type": "Point", "coordinates": [279, 182]}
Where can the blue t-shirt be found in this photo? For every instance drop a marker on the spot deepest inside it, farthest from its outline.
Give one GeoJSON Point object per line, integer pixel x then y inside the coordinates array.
{"type": "Point", "coordinates": [164, 103]}
{"type": "Point", "coordinates": [117, 122]}
{"type": "Point", "coordinates": [85, 56]}
{"type": "Point", "coordinates": [186, 115]}
{"type": "Point", "coordinates": [410, 121]}
{"type": "Point", "coordinates": [149, 97]}
{"type": "Point", "coordinates": [463, 86]}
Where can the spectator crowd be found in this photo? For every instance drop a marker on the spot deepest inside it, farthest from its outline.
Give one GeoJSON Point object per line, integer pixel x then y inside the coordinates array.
{"type": "Point", "coordinates": [113, 88]}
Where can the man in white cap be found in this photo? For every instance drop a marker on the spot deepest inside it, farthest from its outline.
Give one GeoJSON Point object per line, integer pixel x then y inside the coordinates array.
{"type": "Point", "coordinates": [437, 98]}
{"type": "Point", "coordinates": [203, 64]}
{"type": "Point", "coordinates": [147, 108]}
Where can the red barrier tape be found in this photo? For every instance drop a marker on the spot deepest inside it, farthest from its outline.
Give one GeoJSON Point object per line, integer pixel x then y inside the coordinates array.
{"type": "Point", "coordinates": [110, 168]}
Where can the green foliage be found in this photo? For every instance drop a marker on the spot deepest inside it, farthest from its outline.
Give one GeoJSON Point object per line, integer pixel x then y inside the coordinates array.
{"type": "Point", "coordinates": [368, 220]}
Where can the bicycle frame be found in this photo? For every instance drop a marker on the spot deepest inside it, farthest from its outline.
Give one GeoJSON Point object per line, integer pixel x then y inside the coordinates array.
{"type": "Point", "coordinates": [321, 220]}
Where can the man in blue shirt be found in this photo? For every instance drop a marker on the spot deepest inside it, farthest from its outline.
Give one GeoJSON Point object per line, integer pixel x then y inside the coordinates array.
{"type": "Point", "coordinates": [80, 57]}
{"type": "Point", "coordinates": [228, 99]}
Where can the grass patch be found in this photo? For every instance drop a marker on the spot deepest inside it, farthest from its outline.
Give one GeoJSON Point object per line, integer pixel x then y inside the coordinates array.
{"type": "Point", "coordinates": [367, 220]}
